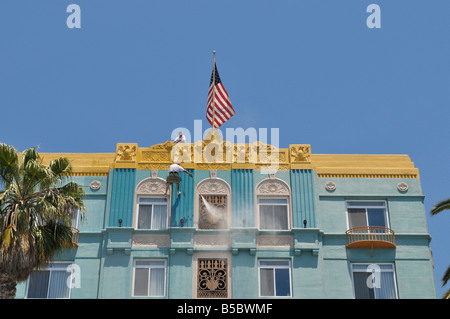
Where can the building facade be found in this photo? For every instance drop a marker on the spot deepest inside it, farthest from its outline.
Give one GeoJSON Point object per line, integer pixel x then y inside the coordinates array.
{"type": "Point", "coordinates": [316, 226]}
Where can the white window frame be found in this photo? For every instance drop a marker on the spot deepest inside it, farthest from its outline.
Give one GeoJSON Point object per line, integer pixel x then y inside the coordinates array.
{"type": "Point", "coordinates": [381, 270]}
{"type": "Point", "coordinates": [51, 269]}
{"type": "Point", "coordinates": [149, 267]}
{"type": "Point", "coordinates": [75, 218]}
{"type": "Point", "coordinates": [288, 209]}
{"type": "Point", "coordinates": [138, 203]}
{"type": "Point", "coordinates": [273, 267]}
{"type": "Point", "coordinates": [385, 206]}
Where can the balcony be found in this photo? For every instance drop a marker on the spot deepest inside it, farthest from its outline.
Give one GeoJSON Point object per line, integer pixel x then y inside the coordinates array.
{"type": "Point", "coordinates": [75, 236]}
{"type": "Point", "coordinates": [370, 237]}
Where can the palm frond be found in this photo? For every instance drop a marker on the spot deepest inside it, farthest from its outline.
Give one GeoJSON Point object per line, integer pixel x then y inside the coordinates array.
{"type": "Point", "coordinates": [440, 206]}
{"type": "Point", "coordinates": [61, 167]}
{"type": "Point", "coordinates": [35, 176]}
{"type": "Point", "coordinates": [9, 165]}
{"type": "Point", "coordinates": [36, 206]}
{"type": "Point", "coordinates": [30, 154]}
{"type": "Point", "coordinates": [446, 277]}
{"type": "Point", "coordinates": [51, 238]}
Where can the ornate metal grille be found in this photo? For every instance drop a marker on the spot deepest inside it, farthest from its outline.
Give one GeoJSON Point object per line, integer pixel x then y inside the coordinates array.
{"type": "Point", "coordinates": [212, 278]}
{"type": "Point", "coordinates": [217, 218]}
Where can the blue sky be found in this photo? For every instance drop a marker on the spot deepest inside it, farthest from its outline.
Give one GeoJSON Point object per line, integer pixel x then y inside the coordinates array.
{"type": "Point", "coordinates": [136, 70]}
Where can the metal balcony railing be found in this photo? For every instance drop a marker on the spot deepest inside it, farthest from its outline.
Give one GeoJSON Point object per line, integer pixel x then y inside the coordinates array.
{"type": "Point", "coordinates": [370, 237]}
{"type": "Point", "coordinates": [75, 236]}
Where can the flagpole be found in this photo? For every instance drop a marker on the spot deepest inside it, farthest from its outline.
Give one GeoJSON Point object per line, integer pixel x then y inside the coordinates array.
{"type": "Point", "coordinates": [214, 91]}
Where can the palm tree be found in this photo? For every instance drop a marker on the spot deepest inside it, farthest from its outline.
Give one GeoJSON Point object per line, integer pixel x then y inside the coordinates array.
{"type": "Point", "coordinates": [36, 203]}
{"type": "Point", "coordinates": [439, 207]}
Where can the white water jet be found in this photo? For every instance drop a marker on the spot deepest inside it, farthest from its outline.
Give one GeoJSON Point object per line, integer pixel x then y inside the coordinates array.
{"type": "Point", "coordinates": [214, 214]}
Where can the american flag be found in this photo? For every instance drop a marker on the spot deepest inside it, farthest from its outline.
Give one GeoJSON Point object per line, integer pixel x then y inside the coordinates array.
{"type": "Point", "coordinates": [219, 107]}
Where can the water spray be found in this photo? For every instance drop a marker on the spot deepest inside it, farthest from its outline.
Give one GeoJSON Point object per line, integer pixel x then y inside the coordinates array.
{"type": "Point", "coordinates": [213, 214]}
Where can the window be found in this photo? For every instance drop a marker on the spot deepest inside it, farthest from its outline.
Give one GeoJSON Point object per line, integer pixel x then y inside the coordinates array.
{"type": "Point", "coordinates": [149, 278]}
{"type": "Point", "coordinates": [274, 278]}
{"type": "Point", "coordinates": [212, 279]}
{"type": "Point", "coordinates": [212, 204]}
{"type": "Point", "coordinates": [273, 213]}
{"type": "Point", "coordinates": [50, 283]}
{"type": "Point", "coordinates": [374, 281]}
{"type": "Point", "coordinates": [74, 217]}
{"type": "Point", "coordinates": [152, 213]}
{"type": "Point", "coordinates": [367, 213]}
{"type": "Point", "coordinates": [213, 212]}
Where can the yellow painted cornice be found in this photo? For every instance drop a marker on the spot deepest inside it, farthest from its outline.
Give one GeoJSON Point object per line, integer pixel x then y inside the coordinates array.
{"type": "Point", "coordinates": [257, 156]}
{"type": "Point", "coordinates": [85, 164]}
{"type": "Point", "coordinates": [364, 166]}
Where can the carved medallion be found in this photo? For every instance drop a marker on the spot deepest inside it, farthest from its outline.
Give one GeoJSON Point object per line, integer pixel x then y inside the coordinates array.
{"type": "Point", "coordinates": [402, 187]}
{"type": "Point", "coordinates": [330, 186]}
{"type": "Point", "coordinates": [94, 185]}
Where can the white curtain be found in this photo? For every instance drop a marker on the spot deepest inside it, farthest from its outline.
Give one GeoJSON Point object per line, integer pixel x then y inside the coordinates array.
{"type": "Point", "coordinates": [159, 217]}
{"type": "Point", "coordinates": [265, 216]}
{"type": "Point", "coordinates": [382, 281]}
{"type": "Point", "coordinates": [386, 288]}
{"type": "Point", "coordinates": [357, 217]}
{"type": "Point", "coordinates": [152, 213]}
{"type": "Point", "coordinates": [58, 284]}
{"type": "Point", "coordinates": [145, 215]}
{"type": "Point", "coordinates": [273, 217]}
{"type": "Point", "coordinates": [157, 282]}
{"type": "Point", "coordinates": [280, 219]}
{"type": "Point", "coordinates": [266, 282]}
{"type": "Point", "coordinates": [141, 282]}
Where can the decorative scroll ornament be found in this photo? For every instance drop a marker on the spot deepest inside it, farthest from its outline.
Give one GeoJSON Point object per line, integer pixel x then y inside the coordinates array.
{"type": "Point", "coordinates": [126, 152]}
{"type": "Point", "coordinates": [212, 278]}
{"type": "Point", "coordinates": [300, 153]}
{"type": "Point", "coordinates": [158, 153]}
{"type": "Point", "coordinates": [213, 186]}
{"type": "Point", "coordinates": [270, 241]}
{"type": "Point", "coordinates": [151, 240]}
{"type": "Point", "coordinates": [272, 187]}
{"type": "Point", "coordinates": [149, 186]}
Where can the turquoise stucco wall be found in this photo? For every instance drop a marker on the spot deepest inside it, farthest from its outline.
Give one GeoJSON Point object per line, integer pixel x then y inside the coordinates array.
{"type": "Point", "coordinates": [122, 196]}
{"type": "Point", "coordinates": [303, 200]}
{"type": "Point", "coordinates": [183, 205]}
{"type": "Point", "coordinates": [321, 264]}
{"type": "Point", "coordinates": [407, 218]}
{"type": "Point", "coordinates": [242, 185]}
